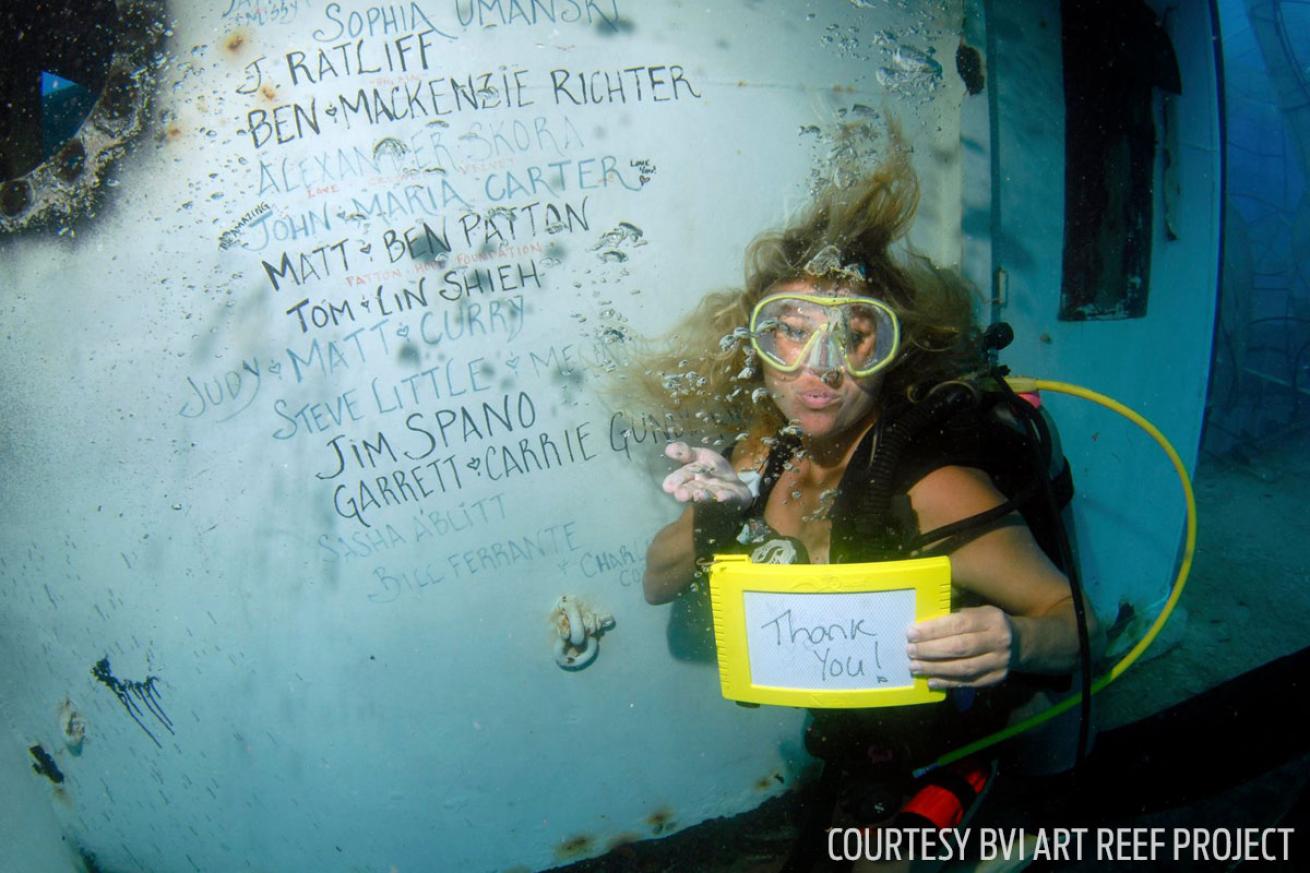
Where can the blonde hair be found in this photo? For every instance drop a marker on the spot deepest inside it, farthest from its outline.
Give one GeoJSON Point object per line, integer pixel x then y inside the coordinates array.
{"type": "Point", "coordinates": [704, 370]}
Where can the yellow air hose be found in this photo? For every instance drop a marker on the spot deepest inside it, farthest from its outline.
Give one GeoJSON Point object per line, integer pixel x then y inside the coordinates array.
{"type": "Point", "coordinates": [1022, 384]}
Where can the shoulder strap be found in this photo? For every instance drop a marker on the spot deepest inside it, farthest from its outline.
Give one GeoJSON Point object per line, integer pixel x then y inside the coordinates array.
{"type": "Point", "coordinates": [974, 434]}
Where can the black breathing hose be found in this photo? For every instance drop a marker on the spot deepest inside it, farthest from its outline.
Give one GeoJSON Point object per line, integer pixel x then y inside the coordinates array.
{"type": "Point", "coordinates": [948, 400]}
{"type": "Point", "coordinates": [1036, 424]}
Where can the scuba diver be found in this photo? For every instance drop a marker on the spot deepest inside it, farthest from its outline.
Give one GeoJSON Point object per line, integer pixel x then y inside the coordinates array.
{"type": "Point", "coordinates": [819, 364]}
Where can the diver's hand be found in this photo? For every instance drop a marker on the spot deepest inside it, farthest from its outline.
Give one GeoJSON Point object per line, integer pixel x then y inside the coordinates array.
{"type": "Point", "coordinates": [705, 477]}
{"type": "Point", "coordinates": [973, 647]}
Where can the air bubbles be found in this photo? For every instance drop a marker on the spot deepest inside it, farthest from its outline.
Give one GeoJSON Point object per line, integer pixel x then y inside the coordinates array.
{"type": "Point", "coordinates": [821, 512]}
{"type": "Point", "coordinates": [732, 341]}
{"type": "Point", "coordinates": [623, 235]}
{"type": "Point", "coordinates": [910, 72]}
{"type": "Point", "coordinates": [911, 60]}
{"type": "Point", "coordinates": [847, 41]}
{"type": "Point", "coordinates": [792, 431]}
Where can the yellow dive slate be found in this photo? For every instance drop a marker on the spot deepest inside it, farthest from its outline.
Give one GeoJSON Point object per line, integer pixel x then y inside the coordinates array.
{"type": "Point", "coordinates": [823, 635]}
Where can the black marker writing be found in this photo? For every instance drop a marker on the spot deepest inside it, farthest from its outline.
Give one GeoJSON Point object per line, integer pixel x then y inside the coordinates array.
{"type": "Point", "coordinates": [366, 459]}
{"type": "Point", "coordinates": [374, 20]}
{"type": "Point", "coordinates": [134, 696]}
{"type": "Point", "coordinates": [818, 633]}
{"type": "Point", "coordinates": [306, 265]}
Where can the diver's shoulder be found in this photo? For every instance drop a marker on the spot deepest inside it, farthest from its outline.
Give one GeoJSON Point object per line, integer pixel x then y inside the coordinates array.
{"type": "Point", "coordinates": [951, 492]}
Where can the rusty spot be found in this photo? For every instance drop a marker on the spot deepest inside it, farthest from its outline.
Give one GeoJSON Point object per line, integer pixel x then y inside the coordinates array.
{"type": "Point", "coordinates": [268, 92]}
{"type": "Point", "coordinates": [71, 160]}
{"type": "Point", "coordinates": [574, 847]}
{"type": "Point", "coordinates": [172, 133]}
{"type": "Point", "coordinates": [45, 765]}
{"type": "Point", "coordinates": [236, 40]}
{"type": "Point", "coordinates": [969, 64]}
{"type": "Point", "coordinates": [660, 820]}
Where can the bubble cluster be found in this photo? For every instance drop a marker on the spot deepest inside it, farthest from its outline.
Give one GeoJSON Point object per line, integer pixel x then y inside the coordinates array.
{"type": "Point", "coordinates": [730, 342]}
{"type": "Point", "coordinates": [821, 512]}
{"type": "Point", "coordinates": [686, 384]}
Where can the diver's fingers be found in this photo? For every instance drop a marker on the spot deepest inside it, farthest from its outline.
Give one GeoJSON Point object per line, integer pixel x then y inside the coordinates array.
{"type": "Point", "coordinates": [706, 489]}
{"type": "Point", "coordinates": [973, 672]}
{"type": "Point", "coordinates": [694, 483]}
{"type": "Point", "coordinates": [677, 479]}
{"type": "Point", "coordinates": [728, 491]}
{"type": "Point", "coordinates": [950, 625]}
{"type": "Point", "coordinates": [685, 483]}
{"type": "Point", "coordinates": [954, 647]}
{"type": "Point", "coordinates": [680, 452]}
{"type": "Point", "coordinates": [715, 462]}
{"type": "Point", "coordinates": [684, 474]}
{"type": "Point", "coordinates": [690, 489]}
{"type": "Point", "coordinates": [989, 627]}
{"type": "Point", "coordinates": [685, 454]}
{"type": "Point", "coordinates": [989, 666]}
{"type": "Point", "coordinates": [702, 468]}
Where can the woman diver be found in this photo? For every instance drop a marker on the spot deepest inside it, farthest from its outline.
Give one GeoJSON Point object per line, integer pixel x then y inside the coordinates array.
{"type": "Point", "coordinates": [833, 338]}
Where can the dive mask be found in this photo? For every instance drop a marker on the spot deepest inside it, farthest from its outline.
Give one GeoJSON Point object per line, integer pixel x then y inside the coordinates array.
{"type": "Point", "coordinates": [825, 332]}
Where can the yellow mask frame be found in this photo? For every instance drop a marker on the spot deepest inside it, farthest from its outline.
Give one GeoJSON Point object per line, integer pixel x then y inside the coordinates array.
{"type": "Point", "coordinates": [825, 335]}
